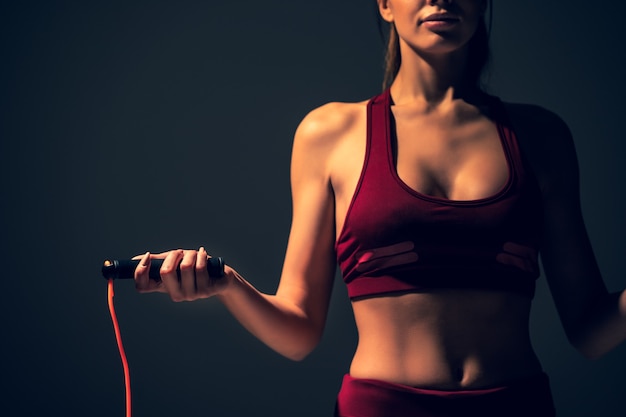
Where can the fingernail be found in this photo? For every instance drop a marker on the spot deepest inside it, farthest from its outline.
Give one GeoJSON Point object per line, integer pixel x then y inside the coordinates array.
{"type": "Point", "coordinates": [146, 259]}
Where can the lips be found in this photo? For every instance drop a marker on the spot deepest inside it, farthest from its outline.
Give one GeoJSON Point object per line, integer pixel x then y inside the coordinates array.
{"type": "Point", "coordinates": [441, 17]}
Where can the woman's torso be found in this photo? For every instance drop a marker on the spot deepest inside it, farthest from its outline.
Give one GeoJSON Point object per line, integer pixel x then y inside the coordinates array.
{"type": "Point", "coordinates": [440, 338]}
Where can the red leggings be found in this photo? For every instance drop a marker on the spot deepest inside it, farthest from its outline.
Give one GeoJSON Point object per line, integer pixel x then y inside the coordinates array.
{"type": "Point", "coordinates": [530, 397]}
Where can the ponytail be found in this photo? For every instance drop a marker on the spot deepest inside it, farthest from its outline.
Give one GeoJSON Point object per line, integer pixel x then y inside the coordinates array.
{"type": "Point", "coordinates": [392, 57]}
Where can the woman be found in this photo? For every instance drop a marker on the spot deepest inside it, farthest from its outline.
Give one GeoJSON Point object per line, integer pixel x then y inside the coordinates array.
{"type": "Point", "coordinates": [435, 199]}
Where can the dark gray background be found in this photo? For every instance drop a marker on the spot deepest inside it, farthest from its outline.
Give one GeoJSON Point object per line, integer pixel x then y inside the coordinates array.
{"type": "Point", "coordinates": [133, 126]}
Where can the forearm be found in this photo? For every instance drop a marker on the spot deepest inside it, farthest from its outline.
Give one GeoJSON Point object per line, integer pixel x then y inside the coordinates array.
{"type": "Point", "coordinates": [277, 322]}
{"type": "Point", "coordinates": [604, 327]}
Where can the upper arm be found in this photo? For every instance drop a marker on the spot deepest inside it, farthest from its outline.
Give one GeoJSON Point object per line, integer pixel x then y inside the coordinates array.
{"type": "Point", "coordinates": [567, 257]}
{"type": "Point", "coordinates": [310, 262]}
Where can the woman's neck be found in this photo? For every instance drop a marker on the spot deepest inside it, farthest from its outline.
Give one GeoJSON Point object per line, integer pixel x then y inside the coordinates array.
{"type": "Point", "coordinates": [432, 79]}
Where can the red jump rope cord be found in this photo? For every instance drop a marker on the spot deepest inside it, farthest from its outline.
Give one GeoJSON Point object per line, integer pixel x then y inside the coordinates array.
{"type": "Point", "coordinates": [120, 346]}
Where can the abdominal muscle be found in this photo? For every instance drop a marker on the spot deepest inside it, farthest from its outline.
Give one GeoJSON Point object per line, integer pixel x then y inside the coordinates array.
{"type": "Point", "coordinates": [444, 339]}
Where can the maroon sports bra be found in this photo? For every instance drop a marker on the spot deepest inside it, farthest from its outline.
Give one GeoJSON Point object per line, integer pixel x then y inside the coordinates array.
{"type": "Point", "coordinates": [395, 239]}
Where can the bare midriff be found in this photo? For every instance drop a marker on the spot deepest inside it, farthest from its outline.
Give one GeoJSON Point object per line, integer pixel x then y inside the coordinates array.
{"type": "Point", "coordinates": [444, 339]}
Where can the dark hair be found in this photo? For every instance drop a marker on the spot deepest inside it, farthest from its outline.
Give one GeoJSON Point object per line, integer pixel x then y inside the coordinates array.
{"type": "Point", "coordinates": [478, 55]}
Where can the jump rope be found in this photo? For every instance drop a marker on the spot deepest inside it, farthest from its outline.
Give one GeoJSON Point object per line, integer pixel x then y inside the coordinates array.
{"type": "Point", "coordinates": [125, 269]}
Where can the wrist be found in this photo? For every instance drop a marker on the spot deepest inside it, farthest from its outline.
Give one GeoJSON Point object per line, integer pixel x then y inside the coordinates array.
{"type": "Point", "coordinates": [229, 282]}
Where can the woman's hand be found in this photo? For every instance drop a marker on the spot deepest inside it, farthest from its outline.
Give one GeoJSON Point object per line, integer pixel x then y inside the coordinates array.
{"type": "Point", "coordinates": [190, 282]}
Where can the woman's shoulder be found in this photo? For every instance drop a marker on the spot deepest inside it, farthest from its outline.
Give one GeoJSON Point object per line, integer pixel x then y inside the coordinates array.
{"type": "Point", "coordinates": [545, 139]}
{"type": "Point", "coordinates": [323, 135]}
{"type": "Point", "coordinates": [330, 123]}
{"type": "Point", "coordinates": [538, 128]}
{"type": "Point", "coordinates": [330, 119]}
{"type": "Point", "coordinates": [529, 116]}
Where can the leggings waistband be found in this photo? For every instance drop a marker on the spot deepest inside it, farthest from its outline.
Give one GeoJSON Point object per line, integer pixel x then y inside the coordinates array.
{"type": "Point", "coordinates": [373, 398]}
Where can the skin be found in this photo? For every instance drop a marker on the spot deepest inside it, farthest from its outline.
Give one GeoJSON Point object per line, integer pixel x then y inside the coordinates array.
{"type": "Point", "coordinates": [439, 339]}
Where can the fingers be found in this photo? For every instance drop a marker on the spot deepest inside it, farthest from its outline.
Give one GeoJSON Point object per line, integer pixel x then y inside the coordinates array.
{"type": "Point", "coordinates": [143, 283]}
{"type": "Point", "coordinates": [202, 275]}
{"type": "Point", "coordinates": [161, 255]}
{"type": "Point", "coordinates": [142, 280]}
{"type": "Point", "coordinates": [184, 274]}
{"type": "Point", "coordinates": [169, 274]}
{"type": "Point", "coordinates": [188, 275]}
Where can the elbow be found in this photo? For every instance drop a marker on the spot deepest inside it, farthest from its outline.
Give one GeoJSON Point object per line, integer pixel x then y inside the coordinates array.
{"type": "Point", "coordinates": [588, 352]}
{"type": "Point", "coordinates": [592, 353]}
{"type": "Point", "coordinates": [301, 353]}
{"type": "Point", "coordinates": [298, 356]}
{"type": "Point", "coordinates": [586, 347]}
{"type": "Point", "coordinates": [301, 349]}
{"type": "Point", "coordinates": [598, 329]}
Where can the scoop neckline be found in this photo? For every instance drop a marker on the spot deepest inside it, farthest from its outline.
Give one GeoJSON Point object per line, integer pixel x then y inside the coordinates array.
{"type": "Point", "coordinates": [443, 200]}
